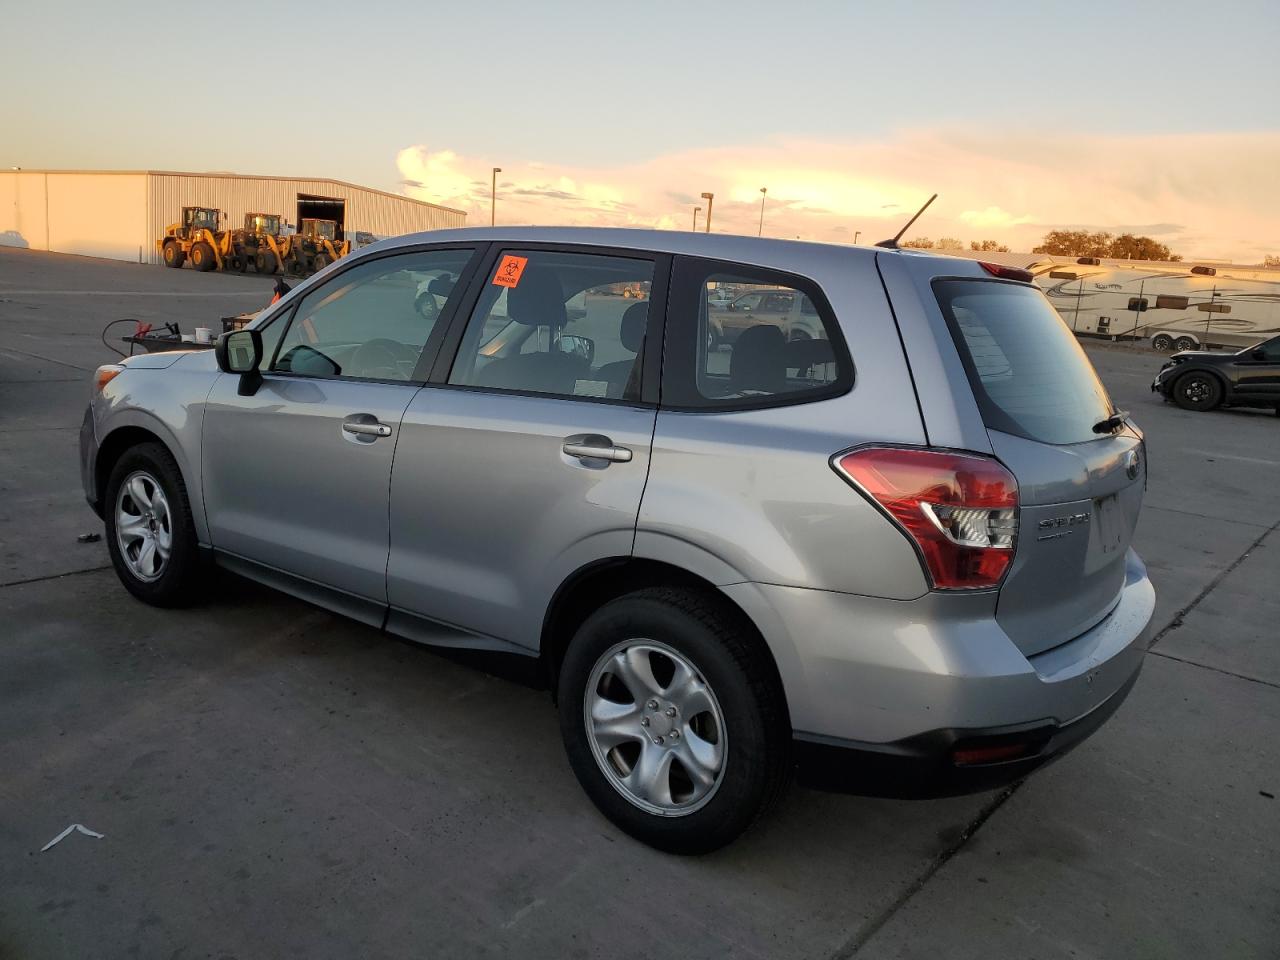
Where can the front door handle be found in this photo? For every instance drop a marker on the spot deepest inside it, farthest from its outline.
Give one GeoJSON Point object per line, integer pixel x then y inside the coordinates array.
{"type": "Point", "coordinates": [596, 447]}
{"type": "Point", "coordinates": [365, 425]}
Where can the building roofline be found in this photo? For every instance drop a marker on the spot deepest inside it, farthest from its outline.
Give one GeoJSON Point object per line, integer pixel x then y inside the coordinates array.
{"type": "Point", "coordinates": [242, 176]}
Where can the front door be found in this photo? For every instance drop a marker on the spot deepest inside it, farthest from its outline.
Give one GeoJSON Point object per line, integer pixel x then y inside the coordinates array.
{"type": "Point", "coordinates": [1258, 371]}
{"type": "Point", "coordinates": [296, 476]}
{"type": "Point", "coordinates": [530, 461]}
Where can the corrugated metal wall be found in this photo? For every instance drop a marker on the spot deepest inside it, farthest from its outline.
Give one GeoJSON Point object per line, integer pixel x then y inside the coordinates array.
{"type": "Point", "coordinates": [382, 214]}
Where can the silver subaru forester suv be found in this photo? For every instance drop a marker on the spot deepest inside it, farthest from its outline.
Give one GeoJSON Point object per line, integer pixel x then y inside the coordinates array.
{"type": "Point", "coordinates": [886, 549]}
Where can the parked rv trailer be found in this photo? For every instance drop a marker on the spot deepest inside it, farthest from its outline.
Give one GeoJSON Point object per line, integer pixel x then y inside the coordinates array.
{"type": "Point", "coordinates": [1187, 307]}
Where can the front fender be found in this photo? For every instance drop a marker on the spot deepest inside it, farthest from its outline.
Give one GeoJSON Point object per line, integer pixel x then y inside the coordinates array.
{"type": "Point", "coordinates": [169, 404]}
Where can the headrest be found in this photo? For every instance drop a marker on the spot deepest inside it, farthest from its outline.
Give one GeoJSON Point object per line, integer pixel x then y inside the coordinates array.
{"type": "Point", "coordinates": [441, 286]}
{"type": "Point", "coordinates": [802, 354]}
{"type": "Point", "coordinates": [757, 360]}
{"type": "Point", "coordinates": [537, 300]}
{"type": "Point", "coordinates": [634, 319]}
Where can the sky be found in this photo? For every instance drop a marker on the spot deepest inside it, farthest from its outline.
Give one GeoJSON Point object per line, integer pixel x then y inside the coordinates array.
{"type": "Point", "coordinates": [1150, 117]}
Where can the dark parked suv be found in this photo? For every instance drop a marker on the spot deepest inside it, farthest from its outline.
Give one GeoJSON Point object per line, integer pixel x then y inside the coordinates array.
{"type": "Point", "coordinates": [1200, 380]}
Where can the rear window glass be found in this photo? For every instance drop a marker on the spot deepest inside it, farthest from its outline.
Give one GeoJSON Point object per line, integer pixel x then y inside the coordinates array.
{"type": "Point", "coordinates": [1028, 371]}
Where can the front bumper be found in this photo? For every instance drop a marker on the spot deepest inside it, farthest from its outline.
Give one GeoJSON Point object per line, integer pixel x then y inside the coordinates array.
{"type": "Point", "coordinates": [88, 461]}
{"type": "Point", "coordinates": [897, 684]}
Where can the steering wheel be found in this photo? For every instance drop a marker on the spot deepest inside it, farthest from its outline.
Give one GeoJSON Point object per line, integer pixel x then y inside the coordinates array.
{"type": "Point", "coordinates": [380, 358]}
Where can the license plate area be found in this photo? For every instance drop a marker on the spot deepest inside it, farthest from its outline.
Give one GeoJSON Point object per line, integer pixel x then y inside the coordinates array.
{"type": "Point", "coordinates": [1108, 531]}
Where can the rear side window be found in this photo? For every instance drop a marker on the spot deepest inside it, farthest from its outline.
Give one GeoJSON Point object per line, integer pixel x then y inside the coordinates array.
{"type": "Point", "coordinates": [1028, 372]}
{"type": "Point", "coordinates": [739, 337]}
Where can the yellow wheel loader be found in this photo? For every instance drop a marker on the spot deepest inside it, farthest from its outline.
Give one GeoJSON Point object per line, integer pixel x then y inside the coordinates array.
{"type": "Point", "coordinates": [198, 239]}
{"type": "Point", "coordinates": [315, 246]}
{"type": "Point", "coordinates": [261, 243]}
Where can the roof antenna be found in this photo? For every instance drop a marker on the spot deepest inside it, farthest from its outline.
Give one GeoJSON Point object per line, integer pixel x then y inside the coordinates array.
{"type": "Point", "coordinates": [893, 244]}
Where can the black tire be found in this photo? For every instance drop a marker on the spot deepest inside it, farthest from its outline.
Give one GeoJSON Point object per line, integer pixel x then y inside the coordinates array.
{"type": "Point", "coordinates": [711, 635]}
{"type": "Point", "coordinates": [427, 306]}
{"type": "Point", "coordinates": [319, 263]}
{"type": "Point", "coordinates": [202, 257]}
{"type": "Point", "coordinates": [173, 255]}
{"type": "Point", "coordinates": [1186, 343]}
{"type": "Point", "coordinates": [260, 262]}
{"type": "Point", "coordinates": [1162, 342]}
{"type": "Point", "coordinates": [176, 582]}
{"type": "Point", "coordinates": [1197, 391]}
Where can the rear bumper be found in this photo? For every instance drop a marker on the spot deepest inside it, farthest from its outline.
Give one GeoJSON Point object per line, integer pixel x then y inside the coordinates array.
{"type": "Point", "coordinates": [892, 686]}
{"type": "Point", "coordinates": [924, 766]}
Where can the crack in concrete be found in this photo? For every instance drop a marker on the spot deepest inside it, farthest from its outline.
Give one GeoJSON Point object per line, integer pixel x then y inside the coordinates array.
{"type": "Point", "coordinates": [54, 576]}
{"type": "Point", "coordinates": [1205, 516]}
{"type": "Point", "coordinates": [1180, 617]}
{"type": "Point", "coordinates": [873, 926]}
{"type": "Point", "coordinates": [1206, 666]}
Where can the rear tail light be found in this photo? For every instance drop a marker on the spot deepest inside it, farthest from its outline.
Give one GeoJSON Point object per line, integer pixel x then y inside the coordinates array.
{"type": "Point", "coordinates": [960, 510]}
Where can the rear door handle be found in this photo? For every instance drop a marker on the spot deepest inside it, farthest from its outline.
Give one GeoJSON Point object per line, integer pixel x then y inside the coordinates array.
{"type": "Point", "coordinates": [596, 447]}
{"type": "Point", "coordinates": [365, 425]}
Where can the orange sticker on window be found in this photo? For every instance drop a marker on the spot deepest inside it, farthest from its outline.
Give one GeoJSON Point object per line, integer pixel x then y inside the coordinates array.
{"type": "Point", "coordinates": [509, 271]}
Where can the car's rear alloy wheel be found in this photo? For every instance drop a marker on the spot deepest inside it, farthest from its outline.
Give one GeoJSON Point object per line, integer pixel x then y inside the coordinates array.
{"type": "Point", "coordinates": [655, 727]}
{"type": "Point", "coordinates": [673, 718]}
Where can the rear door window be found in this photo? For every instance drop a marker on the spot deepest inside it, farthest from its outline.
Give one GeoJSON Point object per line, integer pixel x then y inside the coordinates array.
{"type": "Point", "coordinates": [557, 322]}
{"type": "Point", "coordinates": [775, 341]}
{"type": "Point", "coordinates": [1028, 372]}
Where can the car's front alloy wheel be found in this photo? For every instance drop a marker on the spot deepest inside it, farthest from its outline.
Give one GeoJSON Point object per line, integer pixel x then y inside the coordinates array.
{"type": "Point", "coordinates": [150, 531]}
{"type": "Point", "coordinates": [144, 526]}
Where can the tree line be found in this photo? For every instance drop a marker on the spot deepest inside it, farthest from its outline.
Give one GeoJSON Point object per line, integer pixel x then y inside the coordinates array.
{"type": "Point", "coordinates": [1082, 243]}
{"type": "Point", "coordinates": [1069, 243]}
{"type": "Point", "coordinates": [951, 243]}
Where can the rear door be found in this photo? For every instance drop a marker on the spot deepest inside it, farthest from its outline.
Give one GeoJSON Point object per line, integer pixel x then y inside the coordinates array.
{"type": "Point", "coordinates": [525, 458]}
{"type": "Point", "coordinates": [1080, 490]}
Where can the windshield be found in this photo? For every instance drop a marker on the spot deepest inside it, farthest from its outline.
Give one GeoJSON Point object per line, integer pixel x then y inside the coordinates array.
{"type": "Point", "coordinates": [1028, 371]}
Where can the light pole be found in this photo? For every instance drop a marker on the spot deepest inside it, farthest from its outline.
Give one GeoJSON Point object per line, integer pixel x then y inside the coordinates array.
{"type": "Point", "coordinates": [764, 191]}
{"type": "Point", "coordinates": [493, 196]}
{"type": "Point", "coordinates": [856, 235]}
{"type": "Point", "coordinates": [695, 219]}
{"type": "Point", "coordinates": [710, 198]}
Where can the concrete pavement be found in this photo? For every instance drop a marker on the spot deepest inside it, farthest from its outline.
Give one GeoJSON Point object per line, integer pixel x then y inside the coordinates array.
{"type": "Point", "coordinates": [272, 780]}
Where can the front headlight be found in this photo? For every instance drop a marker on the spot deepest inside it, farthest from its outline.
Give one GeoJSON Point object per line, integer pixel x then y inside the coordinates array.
{"type": "Point", "coordinates": [105, 374]}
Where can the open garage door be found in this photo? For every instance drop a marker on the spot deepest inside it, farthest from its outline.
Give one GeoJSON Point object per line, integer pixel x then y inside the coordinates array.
{"type": "Point", "coordinates": [311, 207]}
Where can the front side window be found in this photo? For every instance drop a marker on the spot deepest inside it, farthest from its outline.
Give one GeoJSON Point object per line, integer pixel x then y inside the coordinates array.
{"type": "Point", "coordinates": [770, 343]}
{"type": "Point", "coordinates": [1270, 349]}
{"type": "Point", "coordinates": [371, 322]}
{"type": "Point", "coordinates": [551, 322]}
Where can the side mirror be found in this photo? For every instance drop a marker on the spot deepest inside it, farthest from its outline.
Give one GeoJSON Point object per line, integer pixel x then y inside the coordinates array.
{"type": "Point", "coordinates": [241, 352]}
{"type": "Point", "coordinates": [1259, 354]}
{"type": "Point", "coordinates": [583, 347]}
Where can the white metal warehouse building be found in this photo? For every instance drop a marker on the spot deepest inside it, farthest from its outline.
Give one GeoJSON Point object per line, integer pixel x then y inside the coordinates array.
{"type": "Point", "coordinates": [120, 214]}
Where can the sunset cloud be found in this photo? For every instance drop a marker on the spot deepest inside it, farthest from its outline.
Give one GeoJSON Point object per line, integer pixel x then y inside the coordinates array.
{"type": "Point", "coordinates": [1206, 195]}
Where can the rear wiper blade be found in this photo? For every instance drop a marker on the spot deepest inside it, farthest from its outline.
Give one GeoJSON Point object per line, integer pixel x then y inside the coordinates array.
{"type": "Point", "coordinates": [1112, 423]}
